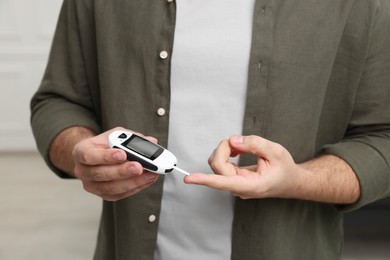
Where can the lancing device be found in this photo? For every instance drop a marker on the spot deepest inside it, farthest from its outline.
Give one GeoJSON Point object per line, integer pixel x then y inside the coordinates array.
{"type": "Point", "coordinates": [151, 156]}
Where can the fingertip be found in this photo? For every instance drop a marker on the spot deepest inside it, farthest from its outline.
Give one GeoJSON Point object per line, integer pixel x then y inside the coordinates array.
{"type": "Point", "coordinates": [133, 170]}
{"type": "Point", "coordinates": [150, 176]}
{"type": "Point", "coordinates": [187, 180]}
{"type": "Point", "coordinates": [152, 139]}
{"type": "Point", "coordinates": [136, 167]}
{"type": "Point", "coordinates": [119, 155]}
{"type": "Point", "coordinates": [237, 139]}
{"type": "Point", "coordinates": [251, 144]}
{"type": "Point", "coordinates": [193, 178]}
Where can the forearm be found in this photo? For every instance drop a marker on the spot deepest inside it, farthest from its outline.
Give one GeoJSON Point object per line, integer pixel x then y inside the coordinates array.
{"type": "Point", "coordinates": [60, 152]}
{"type": "Point", "coordinates": [327, 179]}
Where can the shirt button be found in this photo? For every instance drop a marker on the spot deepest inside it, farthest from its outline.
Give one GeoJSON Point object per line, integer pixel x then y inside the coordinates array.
{"type": "Point", "coordinates": [152, 218]}
{"type": "Point", "coordinates": [161, 111]}
{"type": "Point", "coordinates": [163, 55]}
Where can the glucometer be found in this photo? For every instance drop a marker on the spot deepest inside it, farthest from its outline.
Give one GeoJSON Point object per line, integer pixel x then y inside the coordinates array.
{"type": "Point", "coordinates": [151, 156]}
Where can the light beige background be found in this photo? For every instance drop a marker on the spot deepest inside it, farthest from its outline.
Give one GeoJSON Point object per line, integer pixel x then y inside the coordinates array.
{"type": "Point", "coordinates": [26, 31]}
{"type": "Point", "coordinates": [41, 216]}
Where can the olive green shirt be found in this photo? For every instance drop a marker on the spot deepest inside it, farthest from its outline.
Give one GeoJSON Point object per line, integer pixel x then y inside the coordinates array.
{"type": "Point", "coordinates": [319, 82]}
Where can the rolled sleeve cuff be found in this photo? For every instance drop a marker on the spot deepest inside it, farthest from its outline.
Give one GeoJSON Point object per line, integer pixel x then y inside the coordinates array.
{"type": "Point", "coordinates": [49, 122]}
{"type": "Point", "coordinates": [370, 167]}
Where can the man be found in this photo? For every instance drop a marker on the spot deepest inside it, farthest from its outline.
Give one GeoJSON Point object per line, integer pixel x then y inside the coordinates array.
{"type": "Point", "coordinates": [304, 83]}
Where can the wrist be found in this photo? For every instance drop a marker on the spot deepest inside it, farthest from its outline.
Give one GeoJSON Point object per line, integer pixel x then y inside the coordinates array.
{"type": "Point", "coordinates": [327, 179]}
{"type": "Point", "coordinates": [60, 152]}
{"type": "Point", "coordinates": [297, 182]}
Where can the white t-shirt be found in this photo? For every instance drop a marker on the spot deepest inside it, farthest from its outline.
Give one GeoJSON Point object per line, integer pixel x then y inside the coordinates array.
{"type": "Point", "coordinates": [208, 89]}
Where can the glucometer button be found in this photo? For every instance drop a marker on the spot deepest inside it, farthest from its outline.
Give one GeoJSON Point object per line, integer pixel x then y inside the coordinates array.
{"type": "Point", "coordinates": [123, 136]}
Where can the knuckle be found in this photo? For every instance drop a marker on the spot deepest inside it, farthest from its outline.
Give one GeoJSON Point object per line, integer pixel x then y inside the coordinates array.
{"type": "Point", "coordinates": [210, 161]}
{"type": "Point", "coordinates": [125, 171]}
{"type": "Point", "coordinates": [253, 143]}
{"type": "Point", "coordinates": [215, 165]}
{"type": "Point", "coordinates": [279, 151]}
{"type": "Point", "coordinates": [79, 153]}
{"type": "Point", "coordinates": [252, 138]}
{"type": "Point", "coordinates": [77, 172]}
{"type": "Point", "coordinates": [84, 157]}
{"type": "Point", "coordinates": [109, 198]}
{"type": "Point", "coordinates": [256, 143]}
{"type": "Point", "coordinates": [211, 158]}
{"type": "Point", "coordinates": [88, 173]}
{"type": "Point", "coordinates": [223, 142]}
{"type": "Point", "coordinates": [137, 182]}
{"type": "Point", "coordinates": [88, 187]}
{"type": "Point", "coordinates": [76, 151]}
{"type": "Point", "coordinates": [108, 189]}
{"type": "Point", "coordinates": [96, 175]}
{"type": "Point", "coordinates": [122, 174]}
{"type": "Point", "coordinates": [124, 188]}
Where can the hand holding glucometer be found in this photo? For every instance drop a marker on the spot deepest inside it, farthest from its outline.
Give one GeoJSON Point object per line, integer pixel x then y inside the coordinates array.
{"type": "Point", "coordinates": [151, 156]}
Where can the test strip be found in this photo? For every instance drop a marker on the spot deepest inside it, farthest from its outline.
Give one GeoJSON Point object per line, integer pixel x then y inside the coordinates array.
{"type": "Point", "coordinates": [181, 170]}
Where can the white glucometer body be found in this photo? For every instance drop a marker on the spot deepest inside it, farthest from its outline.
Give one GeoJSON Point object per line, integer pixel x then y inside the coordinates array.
{"type": "Point", "coordinates": [151, 156]}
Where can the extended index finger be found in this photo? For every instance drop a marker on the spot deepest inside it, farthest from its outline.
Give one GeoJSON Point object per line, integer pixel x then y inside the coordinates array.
{"type": "Point", "coordinates": [211, 180]}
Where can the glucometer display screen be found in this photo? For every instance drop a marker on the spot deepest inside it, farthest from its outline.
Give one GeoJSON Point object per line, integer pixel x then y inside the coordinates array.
{"type": "Point", "coordinates": [143, 147]}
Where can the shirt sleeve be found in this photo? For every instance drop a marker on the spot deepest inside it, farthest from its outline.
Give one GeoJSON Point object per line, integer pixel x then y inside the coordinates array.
{"type": "Point", "coordinates": [366, 146]}
{"type": "Point", "coordinates": [64, 97]}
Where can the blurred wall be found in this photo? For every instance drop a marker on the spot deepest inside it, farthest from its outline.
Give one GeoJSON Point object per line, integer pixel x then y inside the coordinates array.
{"type": "Point", "coordinates": [26, 30]}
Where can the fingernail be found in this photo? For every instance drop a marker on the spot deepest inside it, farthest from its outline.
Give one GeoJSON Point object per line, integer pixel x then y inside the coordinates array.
{"type": "Point", "coordinates": [238, 139]}
{"type": "Point", "coordinates": [132, 170]}
{"type": "Point", "coordinates": [149, 176]}
{"type": "Point", "coordinates": [118, 156]}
